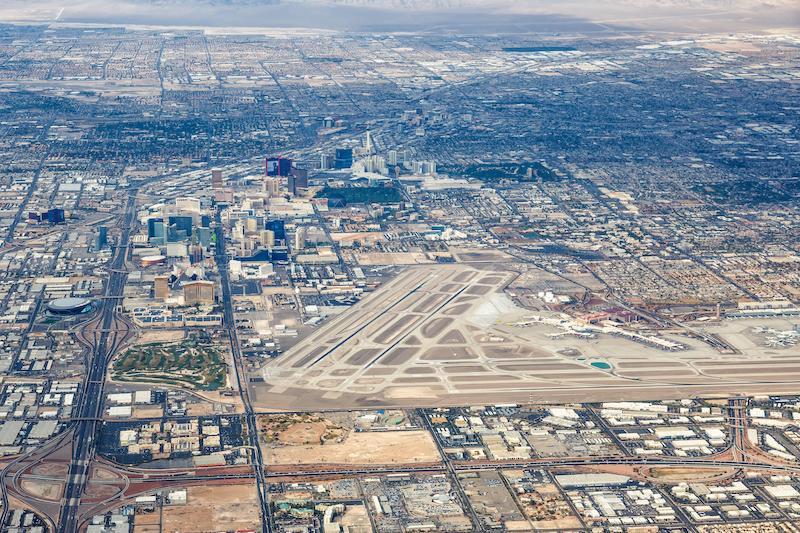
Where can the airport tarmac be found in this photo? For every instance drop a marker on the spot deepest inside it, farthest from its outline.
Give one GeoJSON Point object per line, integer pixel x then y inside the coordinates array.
{"type": "Point", "coordinates": [449, 335]}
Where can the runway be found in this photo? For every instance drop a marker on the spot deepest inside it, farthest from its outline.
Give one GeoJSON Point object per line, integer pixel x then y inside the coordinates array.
{"type": "Point", "coordinates": [446, 335]}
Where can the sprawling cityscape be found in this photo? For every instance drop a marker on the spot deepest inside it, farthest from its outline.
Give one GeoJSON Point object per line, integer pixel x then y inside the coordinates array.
{"type": "Point", "coordinates": [323, 281]}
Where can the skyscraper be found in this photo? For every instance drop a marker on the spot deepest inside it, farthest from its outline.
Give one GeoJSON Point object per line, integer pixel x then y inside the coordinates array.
{"type": "Point", "coordinates": [196, 254]}
{"type": "Point", "coordinates": [204, 236]}
{"type": "Point", "coordinates": [186, 203]}
{"type": "Point", "coordinates": [278, 228]}
{"type": "Point", "coordinates": [267, 238]}
{"type": "Point", "coordinates": [198, 292]}
{"type": "Point", "coordinates": [55, 216]}
{"type": "Point", "coordinates": [301, 178]}
{"type": "Point", "coordinates": [344, 158]}
{"type": "Point", "coordinates": [151, 226]}
{"type": "Point", "coordinates": [297, 180]}
{"type": "Point", "coordinates": [251, 224]}
{"type": "Point", "coordinates": [102, 238]}
{"type": "Point", "coordinates": [272, 187]}
{"type": "Point", "coordinates": [216, 179]}
{"type": "Point", "coordinates": [183, 225]}
{"type": "Point", "coordinates": [299, 238]}
{"type": "Point", "coordinates": [156, 231]}
{"type": "Point", "coordinates": [368, 145]}
{"type": "Point", "coordinates": [278, 166]}
{"type": "Point", "coordinates": [161, 287]}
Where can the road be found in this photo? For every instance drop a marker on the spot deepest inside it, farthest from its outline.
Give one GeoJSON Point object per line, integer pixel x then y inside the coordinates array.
{"type": "Point", "coordinates": [655, 318]}
{"type": "Point", "coordinates": [465, 503]}
{"type": "Point", "coordinates": [31, 187]}
{"type": "Point", "coordinates": [89, 411]}
{"type": "Point", "coordinates": [229, 321]}
{"type": "Point", "coordinates": [314, 470]}
{"type": "Point", "coordinates": [737, 457]}
{"type": "Point", "coordinates": [737, 427]}
{"type": "Point", "coordinates": [334, 243]}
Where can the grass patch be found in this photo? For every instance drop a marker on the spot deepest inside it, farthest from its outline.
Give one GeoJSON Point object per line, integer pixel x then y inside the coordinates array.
{"type": "Point", "coordinates": [362, 195]}
{"type": "Point", "coordinates": [195, 363]}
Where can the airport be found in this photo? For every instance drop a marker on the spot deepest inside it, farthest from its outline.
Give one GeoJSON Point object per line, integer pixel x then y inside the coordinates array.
{"type": "Point", "coordinates": [449, 335]}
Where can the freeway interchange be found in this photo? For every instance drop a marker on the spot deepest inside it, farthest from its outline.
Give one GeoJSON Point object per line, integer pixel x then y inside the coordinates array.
{"type": "Point", "coordinates": [75, 449]}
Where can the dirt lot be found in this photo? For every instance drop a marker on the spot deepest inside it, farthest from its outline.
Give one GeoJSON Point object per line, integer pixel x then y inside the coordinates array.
{"type": "Point", "coordinates": [363, 448]}
{"type": "Point", "coordinates": [356, 519]}
{"type": "Point", "coordinates": [221, 508]}
{"type": "Point", "coordinates": [304, 433]}
{"type": "Point", "coordinates": [147, 523]}
{"type": "Point", "coordinates": [160, 335]}
{"type": "Point", "coordinates": [43, 489]}
{"type": "Point", "coordinates": [211, 402]}
{"type": "Point", "coordinates": [675, 475]}
{"type": "Point", "coordinates": [298, 429]}
{"type": "Point", "coordinates": [149, 411]}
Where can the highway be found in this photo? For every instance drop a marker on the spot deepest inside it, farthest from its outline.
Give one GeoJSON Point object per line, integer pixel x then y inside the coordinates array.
{"type": "Point", "coordinates": [737, 426]}
{"type": "Point", "coordinates": [107, 331]}
{"type": "Point", "coordinates": [314, 470]}
{"type": "Point", "coordinates": [89, 411]}
{"type": "Point", "coordinates": [310, 472]}
{"type": "Point", "coordinates": [229, 322]}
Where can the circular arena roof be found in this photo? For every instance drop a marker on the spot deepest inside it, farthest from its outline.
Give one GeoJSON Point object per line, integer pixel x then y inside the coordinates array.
{"type": "Point", "coordinates": [152, 259]}
{"type": "Point", "coordinates": [68, 305]}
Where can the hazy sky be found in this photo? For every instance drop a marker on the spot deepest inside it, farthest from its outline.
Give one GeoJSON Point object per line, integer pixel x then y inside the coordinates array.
{"type": "Point", "coordinates": [424, 15]}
